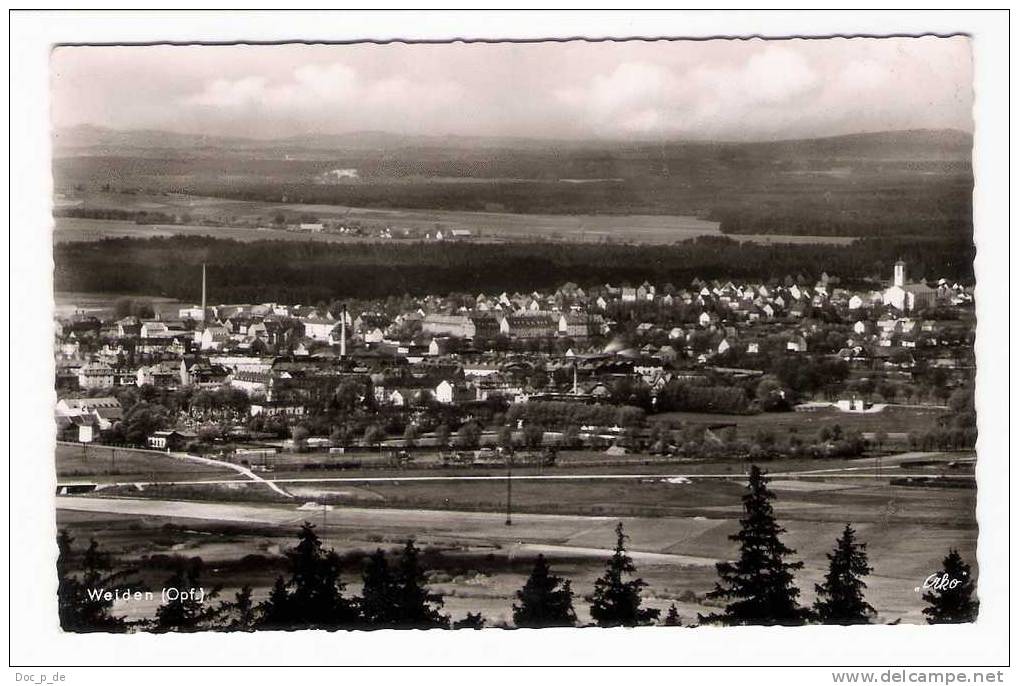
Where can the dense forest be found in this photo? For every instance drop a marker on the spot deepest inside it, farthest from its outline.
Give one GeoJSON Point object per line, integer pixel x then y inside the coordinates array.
{"type": "Point", "coordinates": [296, 272]}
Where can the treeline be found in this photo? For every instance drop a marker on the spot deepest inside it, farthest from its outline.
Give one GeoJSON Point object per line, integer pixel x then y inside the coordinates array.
{"type": "Point", "coordinates": [687, 397]}
{"type": "Point", "coordinates": [137, 216]}
{"type": "Point", "coordinates": [758, 588]}
{"type": "Point", "coordinates": [294, 271]}
{"type": "Point", "coordinates": [561, 415]}
{"type": "Point", "coordinates": [944, 208]}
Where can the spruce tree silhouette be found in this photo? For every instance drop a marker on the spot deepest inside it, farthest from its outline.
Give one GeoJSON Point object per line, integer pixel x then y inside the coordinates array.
{"type": "Point", "coordinates": [952, 601]}
{"type": "Point", "coordinates": [313, 596]}
{"type": "Point", "coordinates": [416, 607]}
{"type": "Point", "coordinates": [241, 611]}
{"type": "Point", "coordinates": [379, 593]}
{"type": "Point", "coordinates": [840, 598]}
{"type": "Point", "coordinates": [276, 612]}
{"type": "Point", "coordinates": [759, 585]}
{"type": "Point", "coordinates": [617, 602]}
{"type": "Point", "coordinates": [546, 600]}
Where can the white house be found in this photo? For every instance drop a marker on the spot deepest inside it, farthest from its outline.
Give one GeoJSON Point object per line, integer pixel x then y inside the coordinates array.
{"type": "Point", "coordinates": [444, 392]}
{"type": "Point", "coordinates": [797, 344]}
{"type": "Point", "coordinates": [154, 330]}
{"type": "Point", "coordinates": [319, 328]}
{"type": "Point", "coordinates": [213, 337]}
{"type": "Point", "coordinates": [95, 375]}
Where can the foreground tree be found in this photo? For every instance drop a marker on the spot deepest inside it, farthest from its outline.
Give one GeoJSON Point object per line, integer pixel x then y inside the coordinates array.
{"type": "Point", "coordinates": [840, 598]}
{"type": "Point", "coordinates": [950, 597]}
{"type": "Point", "coordinates": [545, 600]}
{"type": "Point", "coordinates": [759, 585]}
{"type": "Point", "coordinates": [313, 597]}
{"type": "Point", "coordinates": [416, 607]}
{"type": "Point", "coordinates": [85, 604]}
{"type": "Point", "coordinates": [672, 617]}
{"type": "Point", "coordinates": [617, 602]}
{"type": "Point", "coordinates": [187, 608]}
{"type": "Point", "coordinates": [379, 592]}
{"type": "Point", "coordinates": [276, 611]}
{"type": "Point", "coordinates": [241, 611]}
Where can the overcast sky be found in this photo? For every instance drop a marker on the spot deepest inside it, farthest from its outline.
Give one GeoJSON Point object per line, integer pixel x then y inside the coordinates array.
{"type": "Point", "coordinates": [719, 89]}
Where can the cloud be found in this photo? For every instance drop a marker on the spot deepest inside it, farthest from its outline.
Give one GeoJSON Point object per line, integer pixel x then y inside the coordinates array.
{"type": "Point", "coordinates": [319, 93]}
{"type": "Point", "coordinates": [728, 89]}
{"type": "Point", "coordinates": [642, 97]}
{"type": "Point", "coordinates": [229, 93]}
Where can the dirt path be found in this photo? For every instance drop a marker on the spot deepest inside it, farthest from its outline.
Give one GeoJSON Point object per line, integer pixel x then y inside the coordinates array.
{"type": "Point", "coordinates": [236, 467]}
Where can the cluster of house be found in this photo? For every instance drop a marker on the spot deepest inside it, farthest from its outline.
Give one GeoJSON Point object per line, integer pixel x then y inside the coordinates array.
{"type": "Point", "coordinates": [290, 358]}
{"type": "Point", "coordinates": [83, 419]}
{"type": "Point", "coordinates": [379, 232]}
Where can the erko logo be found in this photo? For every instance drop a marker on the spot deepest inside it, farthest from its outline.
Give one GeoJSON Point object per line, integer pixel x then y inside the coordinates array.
{"type": "Point", "coordinates": [936, 582]}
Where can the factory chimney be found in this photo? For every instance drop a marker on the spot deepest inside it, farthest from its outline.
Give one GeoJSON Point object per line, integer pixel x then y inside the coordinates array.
{"type": "Point", "coordinates": [343, 332]}
{"type": "Point", "coordinates": [203, 295]}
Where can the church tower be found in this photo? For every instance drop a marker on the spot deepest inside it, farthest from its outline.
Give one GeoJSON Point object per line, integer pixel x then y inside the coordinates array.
{"type": "Point", "coordinates": [900, 274]}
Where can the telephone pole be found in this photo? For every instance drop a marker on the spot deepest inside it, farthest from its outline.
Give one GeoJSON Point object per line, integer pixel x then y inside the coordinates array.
{"type": "Point", "coordinates": [509, 490]}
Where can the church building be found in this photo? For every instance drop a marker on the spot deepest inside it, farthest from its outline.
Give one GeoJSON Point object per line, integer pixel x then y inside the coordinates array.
{"type": "Point", "coordinates": [907, 297]}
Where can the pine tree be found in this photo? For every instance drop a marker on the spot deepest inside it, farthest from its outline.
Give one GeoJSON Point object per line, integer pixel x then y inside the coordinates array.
{"type": "Point", "coordinates": [416, 607]}
{"type": "Point", "coordinates": [187, 609]}
{"type": "Point", "coordinates": [242, 610]}
{"type": "Point", "coordinates": [82, 605]}
{"type": "Point", "coordinates": [545, 600]}
{"type": "Point", "coordinates": [316, 592]}
{"type": "Point", "coordinates": [617, 602]}
{"type": "Point", "coordinates": [379, 592]}
{"type": "Point", "coordinates": [672, 617]}
{"type": "Point", "coordinates": [840, 598]}
{"type": "Point", "coordinates": [759, 586]}
{"type": "Point", "coordinates": [951, 601]}
{"type": "Point", "coordinates": [276, 611]}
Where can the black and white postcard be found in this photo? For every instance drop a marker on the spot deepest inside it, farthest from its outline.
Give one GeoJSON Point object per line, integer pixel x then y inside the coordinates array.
{"type": "Point", "coordinates": [666, 337]}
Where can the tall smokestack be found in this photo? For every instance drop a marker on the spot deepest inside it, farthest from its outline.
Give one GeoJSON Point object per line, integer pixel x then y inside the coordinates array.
{"type": "Point", "coordinates": [203, 295]}
{"type": "Point", "coordinates": [343, 332]}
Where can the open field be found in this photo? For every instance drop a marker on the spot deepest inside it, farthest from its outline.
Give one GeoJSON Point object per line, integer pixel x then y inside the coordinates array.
{"type": "Point", "coordinates": [102, 305]}
{"type": "Point", "coordinates": [484, 225]}
{"type": "Point", "coordinates": [893, 420]}
{"type": "Point", "coordinates": [483, 561]}
{"type": "Point", "coordinates": [75, 463]}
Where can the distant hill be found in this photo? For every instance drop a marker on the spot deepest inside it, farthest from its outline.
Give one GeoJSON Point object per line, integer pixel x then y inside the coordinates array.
{"type": "Point", "coordinates": [941, 144]}
{"type": "Point", "coordinates": [920, 144]}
